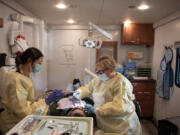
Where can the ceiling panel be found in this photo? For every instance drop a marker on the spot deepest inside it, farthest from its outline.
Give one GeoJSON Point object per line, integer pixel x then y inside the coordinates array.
{"type": "Point", "coordinates": [101, 11]}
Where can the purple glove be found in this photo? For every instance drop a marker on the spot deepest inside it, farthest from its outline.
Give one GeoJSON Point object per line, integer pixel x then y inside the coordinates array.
{"type": "Point", "coordinates": [56, 94]}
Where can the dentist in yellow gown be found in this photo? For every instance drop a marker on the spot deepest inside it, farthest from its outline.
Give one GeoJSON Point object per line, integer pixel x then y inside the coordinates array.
{"type": "Point", "coordinates": [113, 97]}
{"type": "Point", "coordinates": [19, 94]}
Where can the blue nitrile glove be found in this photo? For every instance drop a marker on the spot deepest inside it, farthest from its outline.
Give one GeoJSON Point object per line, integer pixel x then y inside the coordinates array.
{"type": "Point", "coordinates": [76, 94]}
{"type": "Point", "coordinates": [56, 94]}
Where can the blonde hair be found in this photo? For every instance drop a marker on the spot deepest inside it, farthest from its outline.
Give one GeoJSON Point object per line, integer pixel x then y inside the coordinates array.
{"type": "Point", "coordinates": [108, 62]}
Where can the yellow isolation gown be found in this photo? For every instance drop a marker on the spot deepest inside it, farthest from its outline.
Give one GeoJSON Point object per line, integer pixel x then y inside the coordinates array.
{"type": "Point", "coordinates": [18, 100]}
{"type": "Point", "coordinates": [115, 111]}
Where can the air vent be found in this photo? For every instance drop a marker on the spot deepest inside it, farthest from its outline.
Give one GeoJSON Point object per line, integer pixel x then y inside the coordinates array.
{"type": "Point", "coordinates": [131, 6]}
{"type": "Point", "coordinates": [73, 6]}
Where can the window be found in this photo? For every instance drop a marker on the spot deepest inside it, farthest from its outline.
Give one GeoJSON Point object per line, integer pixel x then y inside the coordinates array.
{"type": "Point", "coordinates": [108, 48]}
{"type": "Point", "coordinates": [177, 77]}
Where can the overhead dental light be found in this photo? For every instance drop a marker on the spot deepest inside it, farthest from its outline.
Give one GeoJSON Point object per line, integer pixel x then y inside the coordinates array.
{"type": "Point", "coordinates": [93, 41]}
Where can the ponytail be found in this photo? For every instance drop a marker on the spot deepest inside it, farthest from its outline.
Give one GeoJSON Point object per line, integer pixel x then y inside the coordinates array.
{"type": "Point", "coordinates": [18, 61]}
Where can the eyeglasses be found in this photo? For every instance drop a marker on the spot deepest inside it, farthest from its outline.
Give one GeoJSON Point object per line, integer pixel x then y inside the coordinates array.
{"type": "Point", "coordinates": [100, 71]}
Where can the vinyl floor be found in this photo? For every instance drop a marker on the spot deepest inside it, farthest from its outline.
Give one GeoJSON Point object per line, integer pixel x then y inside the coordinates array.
{"type": "Point", "coordinates": [148, 128]}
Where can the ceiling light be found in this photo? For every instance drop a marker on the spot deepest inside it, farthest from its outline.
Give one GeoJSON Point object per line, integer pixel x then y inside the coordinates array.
{"type": "Point", "coordinates": [143, 7]}
{"type": "Point", "coordinates": [127, 22]}
{"type": "Point", "coordinates": [71, 21]}
{"type": "Point", "coordinates": [61, 6]}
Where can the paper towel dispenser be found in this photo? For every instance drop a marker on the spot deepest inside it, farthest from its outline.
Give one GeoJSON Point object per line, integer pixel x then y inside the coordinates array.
{"type": "Point", "coordinates": [2, 59]}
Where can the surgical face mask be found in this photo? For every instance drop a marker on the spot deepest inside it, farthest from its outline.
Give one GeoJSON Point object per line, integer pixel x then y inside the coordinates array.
{"type": "Point", "coordinates": [37, 68]}
{"type": "Point", "coordinates": [103, 77]}
{"type": "Point", "coordinates": [77, 85]}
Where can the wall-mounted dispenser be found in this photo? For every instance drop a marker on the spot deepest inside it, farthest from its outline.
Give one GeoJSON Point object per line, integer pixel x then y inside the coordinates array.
{"type": "Point", "coordinates": [2, 59]}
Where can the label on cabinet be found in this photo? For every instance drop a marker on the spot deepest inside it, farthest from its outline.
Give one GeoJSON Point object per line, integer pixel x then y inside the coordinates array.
{"type": "Point", "coordinates": [135, 55]}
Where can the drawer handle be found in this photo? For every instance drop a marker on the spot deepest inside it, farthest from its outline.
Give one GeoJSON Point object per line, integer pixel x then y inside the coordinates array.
{"type": "Point", "coordinates": [139, 92]}
{"type": "Point", "coordinates": [133, 41]}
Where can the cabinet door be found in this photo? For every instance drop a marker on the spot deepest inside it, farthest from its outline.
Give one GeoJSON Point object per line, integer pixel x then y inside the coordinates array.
{"type": "Point", "coordinates": [147, 108]}
{"type": "Point", "coordinates": [144, 94]}
{"type": "Point", "coordinates": [137, 34]}
{"type": "Point", "coordinates": [147, 34]}
{"type": "Point", "coordinates": [130, 34]}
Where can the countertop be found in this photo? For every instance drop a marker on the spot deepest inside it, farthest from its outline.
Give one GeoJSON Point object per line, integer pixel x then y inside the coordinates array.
{"type": "Point", "coordinates": [148, 80]}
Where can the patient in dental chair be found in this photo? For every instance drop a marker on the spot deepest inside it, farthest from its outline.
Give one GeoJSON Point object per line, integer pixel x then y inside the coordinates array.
{"type": "Point", "coordinates": [67, 105]}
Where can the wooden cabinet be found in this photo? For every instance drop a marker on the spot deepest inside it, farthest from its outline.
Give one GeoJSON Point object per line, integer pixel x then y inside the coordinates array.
{"type": "Point", "coordinates": [1, 22]}
{"type": "Point", "coordinates": [137, 34]}
{"type": "Point", "coordinates": [144, 93]}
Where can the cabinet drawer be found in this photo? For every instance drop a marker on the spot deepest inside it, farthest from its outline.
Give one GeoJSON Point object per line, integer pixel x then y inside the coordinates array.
{"type": "Point", "coordinates": [143, 87]}
{"type": "Point", "coordinates": [141, 96]}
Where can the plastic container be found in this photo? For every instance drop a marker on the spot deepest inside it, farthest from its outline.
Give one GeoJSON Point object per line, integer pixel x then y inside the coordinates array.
{"type": "Point", "coordinates": [130, 64]}
{"type": "Point", "coordinates": [2, 59]}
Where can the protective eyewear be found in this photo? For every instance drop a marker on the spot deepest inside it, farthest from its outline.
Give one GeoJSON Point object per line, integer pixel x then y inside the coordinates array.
{"type": "Point", "coordinates": [100, 71]}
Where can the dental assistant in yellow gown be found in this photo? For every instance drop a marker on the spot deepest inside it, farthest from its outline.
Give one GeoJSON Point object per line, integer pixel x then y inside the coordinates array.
{"type": "Point", "coordinates": [18, 97]}
{"type": "Point", "coordinates": [113, 98]}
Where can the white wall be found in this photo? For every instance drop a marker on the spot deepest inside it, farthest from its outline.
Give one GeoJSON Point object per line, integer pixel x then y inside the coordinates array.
{"type": "Point", "coordinates": [166, 34]}
{"type": "Point", "coordinates": [60, 75]}
{"type": "Point", "coordinates": [31, 34]}
{"type": "Point", "coordinates": [5, 14]}
{"type": "Point", "coordinates": [40, 78]}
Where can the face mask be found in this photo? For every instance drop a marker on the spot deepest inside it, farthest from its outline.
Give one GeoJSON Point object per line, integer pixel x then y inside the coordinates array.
{"type": "Point", "coordinates": [77, 85]}
{"type": "Point", "coordinates": [37, 68]}
{"type": "Point", "coordinates": [103, 77]}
